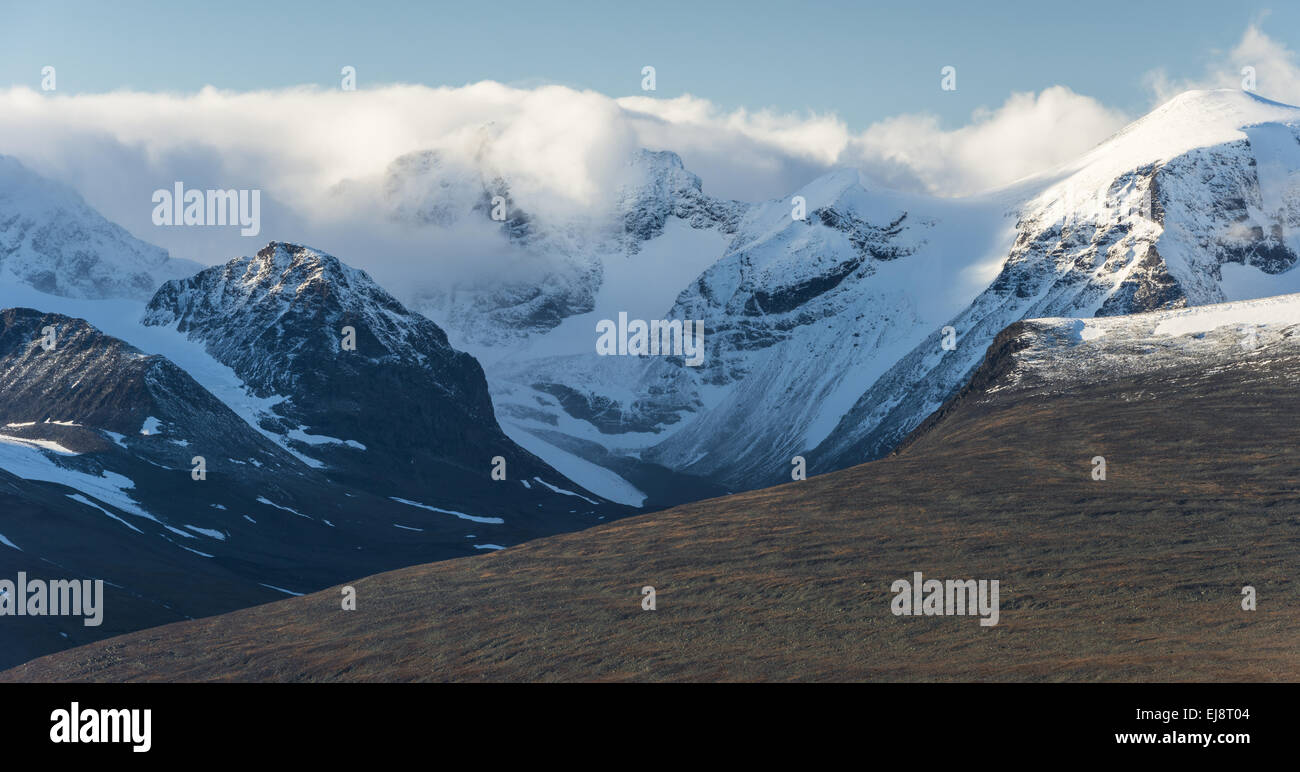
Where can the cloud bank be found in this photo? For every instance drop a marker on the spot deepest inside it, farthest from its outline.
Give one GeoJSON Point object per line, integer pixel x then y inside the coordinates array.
{"type": "Point", "coordinates": [320, 157]}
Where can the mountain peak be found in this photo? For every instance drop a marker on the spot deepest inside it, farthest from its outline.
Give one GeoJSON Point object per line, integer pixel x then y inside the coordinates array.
{"type": "Point", "coordinates": [282, 256]}
{"type": "Point", "coordinates": [1190, 120]}
{"type": "Point", "coordinates": [658, 165]}
{"type": "Point", "coordinates": [660, 187]}
{"type": "Point", "coordinates": [53, 241]}
{"type": "Point", "coordinates": [659, 174]}
{"type": "Point", "coordinates": [340, 358]}
{"type": "Point", "coordinates": [1199, 112]}
{"type": "Point", "coordinates": [647, 157]}
{"type": "Point", "coordinates": [301, 274]}
{"type": "Point", "coordinates": [284, 282]}
{"type": "Point", "coordinates": [1239, 98]}
{"type": "Point", "coordinates": [831, 187]}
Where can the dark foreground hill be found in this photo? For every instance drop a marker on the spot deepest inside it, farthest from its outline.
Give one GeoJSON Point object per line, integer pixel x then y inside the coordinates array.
{"type": "Point", "coordinates": [97, 445]}
{"type": "Point", "coordinates": [1135, 577]}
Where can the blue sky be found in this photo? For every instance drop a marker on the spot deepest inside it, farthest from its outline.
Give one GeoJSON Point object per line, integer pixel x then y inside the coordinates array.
{"type": "Point", "coordinates": [861, 61]}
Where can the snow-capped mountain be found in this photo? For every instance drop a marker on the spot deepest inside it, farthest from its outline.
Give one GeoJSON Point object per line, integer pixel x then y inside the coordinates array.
{"type": "Point", "coordinates": [659, 232]}
{"type": "Point", "coordinates": [226, 452]}
{"type": "Point", "coordinates": [116, 464]}
{"type": "Point", "coordinates": [826, 335]}
{"type": "Point", "coordinates": [660, 188]}
{"type": "Point", "coordinates": [344, 433]}
{"type": "Point", "coordinates": [50, 239]}
{"type": "Point", "coordinates": [562, 264]}
{"type": "Point", "coordinates": [1196, 203]}
{"type": "Point", "coordinates": [798, 314]}
{"type": "Point", "coordinates": [358, 384]}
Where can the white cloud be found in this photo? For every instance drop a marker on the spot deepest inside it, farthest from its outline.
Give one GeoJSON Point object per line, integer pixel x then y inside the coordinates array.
{"type": "Point", "coordinates": [1277, 70]}
{"type": "Point", "coordinates": [319, 156]}
{"type": "Point", "coordinates": [1029, 133]}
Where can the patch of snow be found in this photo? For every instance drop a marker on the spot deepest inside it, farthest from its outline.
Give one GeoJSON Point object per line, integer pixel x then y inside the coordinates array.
{"type": "Point", "coordinates": [269, 503]}
{"type": "Point", "coordinates": [461, 515]}
{"type": "Point", "coordinates": [566, 493]}
{"type": "Point", "coordinates": [1092, 332]}
{"type": "Point", "coordinates": [218, 535]}
{"type": "Point", "coordinates": [30, 462]}
{"type": "Point", "coordinates": [46, 444]}
{"type": "Point", "coordinates": [300, 434]}
{"type": "Point", "coordinates": [179, 532]}
{"type": "Point", "coordinates": [1283, 310]}
{"type": "Point", "coordinates": [597, 479]}
{"type": "Point", "coordinates": [77, 497]}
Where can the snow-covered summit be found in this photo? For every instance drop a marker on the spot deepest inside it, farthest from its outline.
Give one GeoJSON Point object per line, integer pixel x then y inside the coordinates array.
{"type": "Point", "coordinates": [286, 302]}
{"type": "Point", "coordinates": [51, 240]}
{"type": "Point", "coordinates": [661, 226]}
{"type": "Point", "coordinates": [661, 187]}
{"type": "Point", "coordinates": [1189, 120]}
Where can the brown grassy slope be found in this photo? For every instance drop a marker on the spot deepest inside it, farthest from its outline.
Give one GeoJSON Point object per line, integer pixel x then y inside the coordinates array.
{"type": "Point", "coordinates": [1137, 577]}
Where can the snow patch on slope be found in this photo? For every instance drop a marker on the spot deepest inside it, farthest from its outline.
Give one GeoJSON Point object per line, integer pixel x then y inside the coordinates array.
{"type": "Point", "coordinates": [25, 460]}
{"type": "Point", "coordinates": [461, 515]}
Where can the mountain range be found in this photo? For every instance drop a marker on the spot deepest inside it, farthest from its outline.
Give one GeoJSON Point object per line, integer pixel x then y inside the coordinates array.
{"type": "Point", "coordinates": [207, 439]}
{"type": "Point", "coordinates": [1135, 575]}
{"type": "Point", "coordinates": [228, 448]}
{"type": "Point", "coordinates": [830, 328]}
